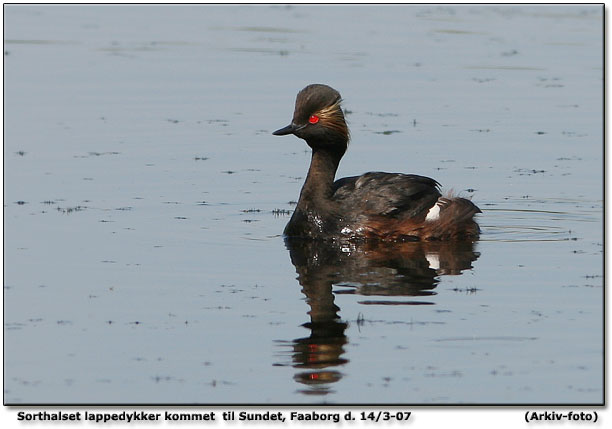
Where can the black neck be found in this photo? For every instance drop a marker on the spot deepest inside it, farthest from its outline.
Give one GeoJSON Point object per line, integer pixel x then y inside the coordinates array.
{"type": "Point", "coordinates": [318, 184]}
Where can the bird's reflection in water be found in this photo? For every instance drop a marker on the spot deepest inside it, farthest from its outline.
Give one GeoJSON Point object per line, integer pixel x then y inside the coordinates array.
{"type": "Point", "coordinates": [389, 271]}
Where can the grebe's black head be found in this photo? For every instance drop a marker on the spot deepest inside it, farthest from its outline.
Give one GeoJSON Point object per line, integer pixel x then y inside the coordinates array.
{"type": "Point", "coordinates": [318, 119]}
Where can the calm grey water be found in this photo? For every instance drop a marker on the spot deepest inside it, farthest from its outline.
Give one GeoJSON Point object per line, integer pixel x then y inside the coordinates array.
{"type": "Point", "coordinates": [144, 200]}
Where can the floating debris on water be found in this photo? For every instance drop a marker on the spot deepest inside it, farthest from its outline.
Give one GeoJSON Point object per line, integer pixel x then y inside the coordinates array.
{"type": "Point", "coordinates": [383, 115]}
{"type": "Point", "coordinates": [573, 134]}
{"type": "Point", "coordinates": [71, 209]}
{"type": "Point", "coordinates": [469, 290]}
{"type": "Point", "coordinates": [483, 80]}
{"type": "Point", "coordinates": [281, 212]}
{"type": "Point", "coordinates": [387, 133]}
{"type": "Point", "coordinates": [103, 153]}
{"type": "Point", "coordinates": [528, 172]}
{"type": "Point", "coordinates": [222, 122]}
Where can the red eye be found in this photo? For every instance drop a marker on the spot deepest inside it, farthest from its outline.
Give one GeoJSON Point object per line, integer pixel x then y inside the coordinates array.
{"type": "Point", "coordinates": [313, 119]}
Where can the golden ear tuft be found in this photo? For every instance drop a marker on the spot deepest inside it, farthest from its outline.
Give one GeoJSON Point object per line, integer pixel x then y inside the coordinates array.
{"type": "Point", "coordinates": [330, 112]}
{"type": "Point", "coordinates": [333, 118]}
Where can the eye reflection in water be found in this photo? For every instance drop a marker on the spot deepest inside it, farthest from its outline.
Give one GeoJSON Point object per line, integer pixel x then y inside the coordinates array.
{"type": "Point", "coordinates": [371, 269]}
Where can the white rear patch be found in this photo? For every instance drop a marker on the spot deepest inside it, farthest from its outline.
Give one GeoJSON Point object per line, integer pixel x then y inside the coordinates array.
{"type": "Point", "coordinates": [434, 261]}
{"type": "Point", "coordinates": [433, 213]}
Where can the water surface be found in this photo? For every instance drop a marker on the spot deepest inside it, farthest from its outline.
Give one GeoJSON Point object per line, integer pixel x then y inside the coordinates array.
{"type": "Point", "coordinates": [145, 197]}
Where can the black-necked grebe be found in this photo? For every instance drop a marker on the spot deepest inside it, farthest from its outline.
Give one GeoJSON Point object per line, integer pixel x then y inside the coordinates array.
{"type": "Point", "coordinates": [384, 206]}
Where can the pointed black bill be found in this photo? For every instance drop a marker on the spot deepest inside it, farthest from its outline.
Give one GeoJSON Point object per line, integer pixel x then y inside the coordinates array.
{"type": "Point", "coordinates": [289, 129]}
